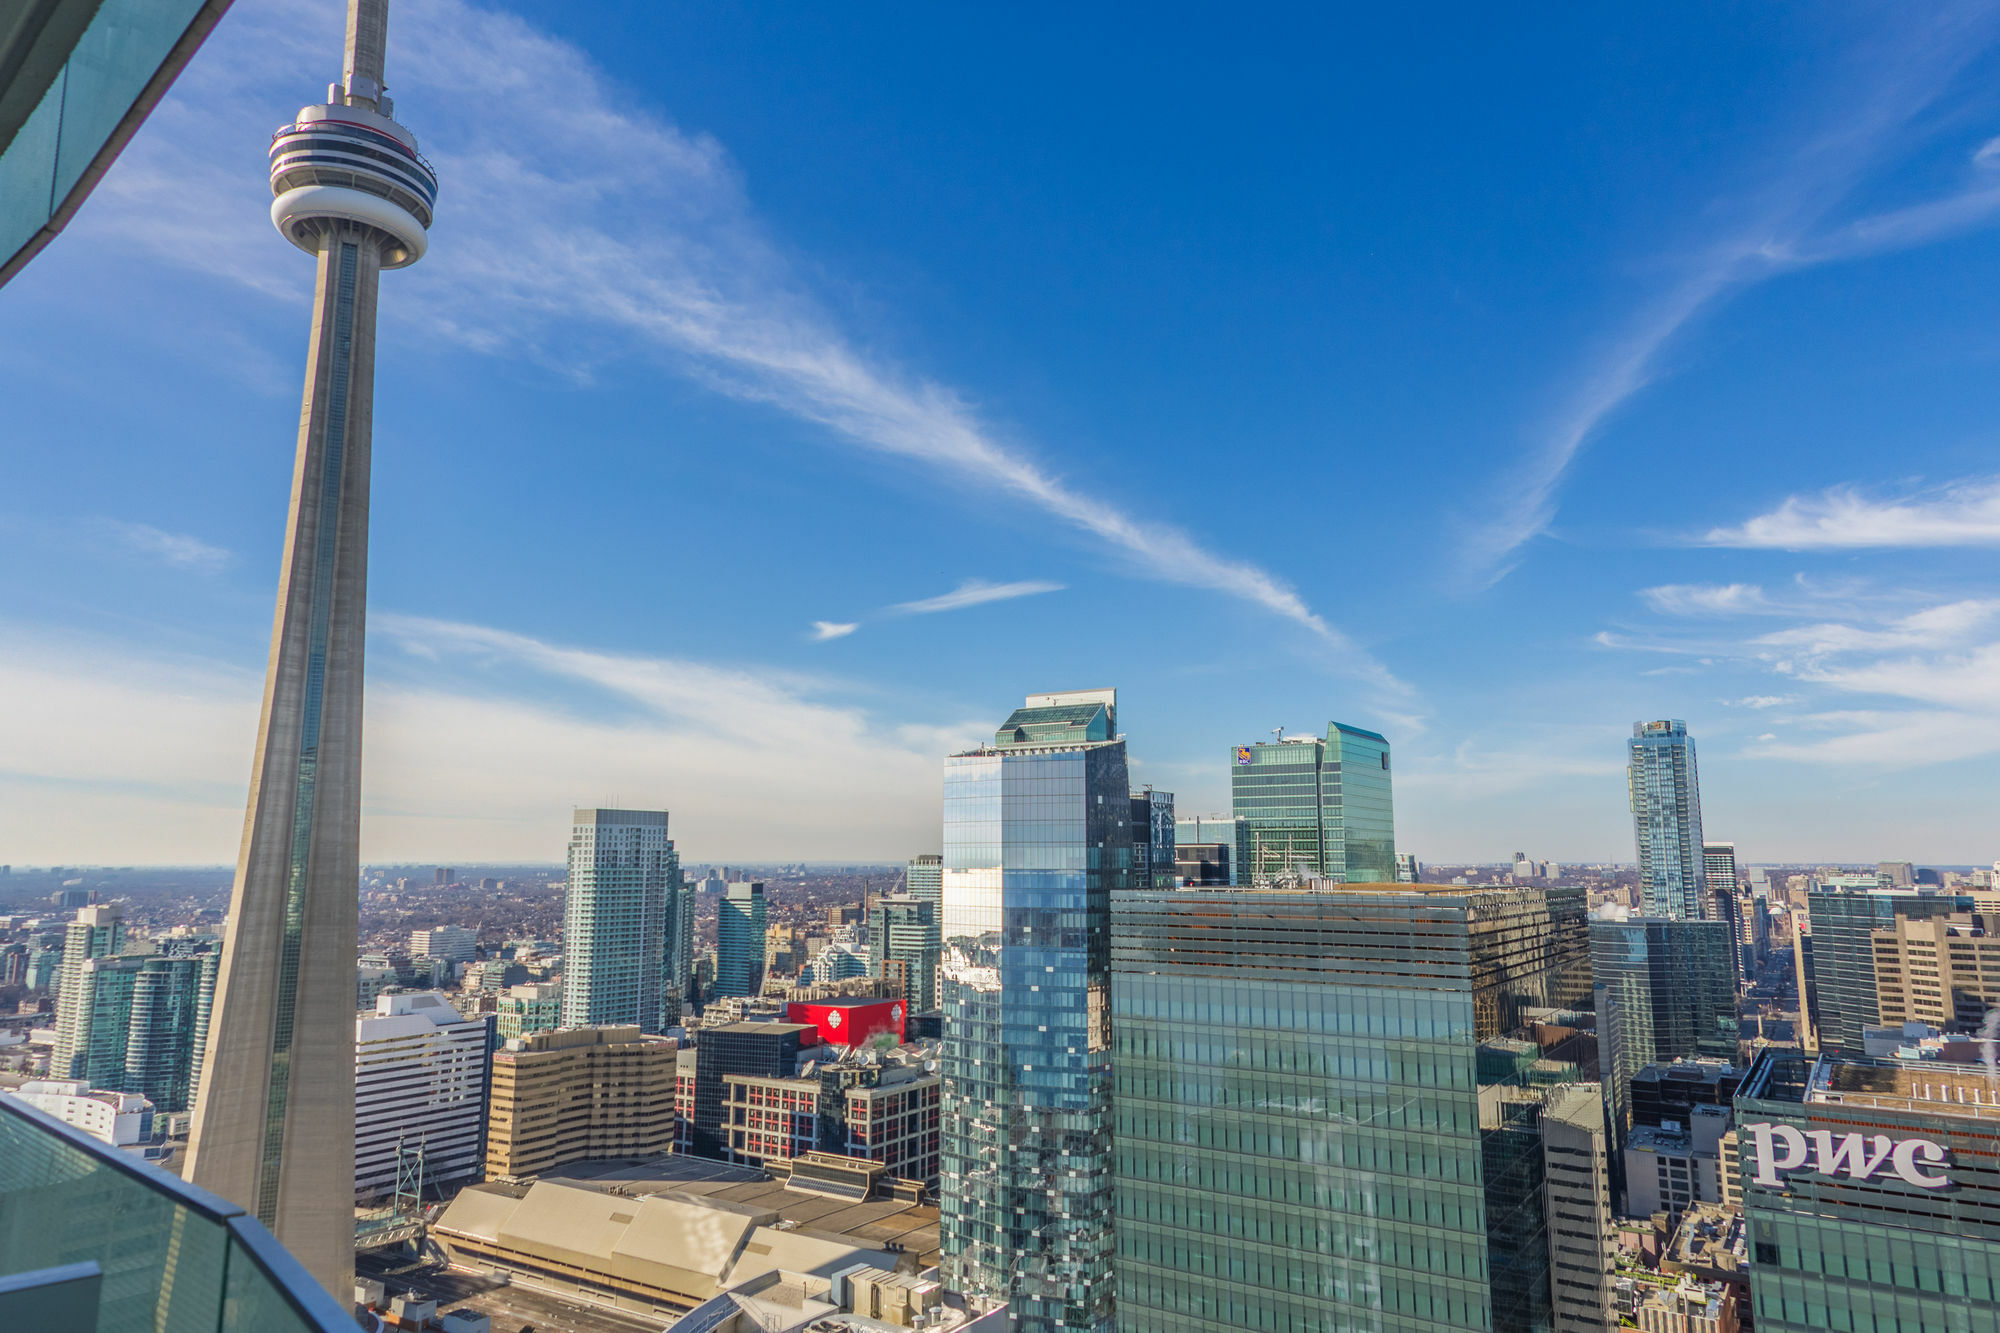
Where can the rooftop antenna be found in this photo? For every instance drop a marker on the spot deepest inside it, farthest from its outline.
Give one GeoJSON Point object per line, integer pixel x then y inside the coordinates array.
{"type": "Point", "coordinates": [1279, 732]}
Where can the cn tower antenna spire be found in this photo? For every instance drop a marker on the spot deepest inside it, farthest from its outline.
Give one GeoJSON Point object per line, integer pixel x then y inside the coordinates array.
{"type": "Point", "coordinates": [274, 1113]}
{"type": "Point", "coordinates": [367, 49]}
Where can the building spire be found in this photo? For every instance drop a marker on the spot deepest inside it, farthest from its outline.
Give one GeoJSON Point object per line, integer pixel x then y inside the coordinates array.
{"type": "Point", "coordinates": [367, 46]}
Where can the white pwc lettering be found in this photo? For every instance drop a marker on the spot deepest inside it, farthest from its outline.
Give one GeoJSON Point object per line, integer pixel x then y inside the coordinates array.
{"type": "Point", "coordinates": [1781, 1149]}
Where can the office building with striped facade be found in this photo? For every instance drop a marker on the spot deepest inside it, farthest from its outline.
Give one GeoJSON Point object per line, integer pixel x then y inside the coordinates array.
{"type": "Point", "coordinates": [573, 1093]}
{"type": "Point", "coordinates": [421, 1082]}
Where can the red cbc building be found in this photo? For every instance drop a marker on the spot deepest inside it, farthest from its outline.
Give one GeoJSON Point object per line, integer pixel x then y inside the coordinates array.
{"type": "Point", "coordinates": [849, 1022]}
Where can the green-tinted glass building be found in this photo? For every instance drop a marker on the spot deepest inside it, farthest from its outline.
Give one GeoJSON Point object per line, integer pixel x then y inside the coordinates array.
{"type": "Point", "coordinates": [1315, 807]}
{"type": "Point", "coordinates": [1879, 1211]}
{"type": "Point", "coordinates": [1299, 1134]}
{"type": "Point", "coordinates": [1843, 954]}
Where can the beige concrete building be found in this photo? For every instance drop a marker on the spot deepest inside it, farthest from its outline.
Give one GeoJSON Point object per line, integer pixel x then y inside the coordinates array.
{"type": "Point", "coordinates": [1944, 971]}
{"type": "Point", "coordinates": [573, 1093]}
{"type": "Point", "coordinates": [1576, 1154]}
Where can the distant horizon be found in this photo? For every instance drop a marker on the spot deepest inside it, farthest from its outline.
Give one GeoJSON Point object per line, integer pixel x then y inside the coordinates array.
{"type": "Point", "coordinates": [18, 868]}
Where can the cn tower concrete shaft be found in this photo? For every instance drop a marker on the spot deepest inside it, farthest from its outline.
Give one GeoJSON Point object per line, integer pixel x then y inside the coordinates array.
{"type": "Point", "coordinates": [274, 1118]}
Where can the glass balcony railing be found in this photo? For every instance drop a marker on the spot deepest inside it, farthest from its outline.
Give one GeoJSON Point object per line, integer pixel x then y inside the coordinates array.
{"type": "Point", "coordinates": [92, 1240]}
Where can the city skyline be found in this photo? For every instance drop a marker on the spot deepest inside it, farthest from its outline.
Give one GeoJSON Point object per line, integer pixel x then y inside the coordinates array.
{"type": "Point", "coordinates": [1788, 589]}
{"type": "Point", "coordinates": [791, 388]}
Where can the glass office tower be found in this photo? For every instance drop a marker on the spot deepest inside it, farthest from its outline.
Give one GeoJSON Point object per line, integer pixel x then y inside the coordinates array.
{"type": "Point", "coordinates": [739, 940]}
{"type": "Point", "coordinates": [1665, 990]}
{"type": "Point", "coordinates": [905, 930]}
{"type": "Point", "coordinates": [1666, 820]}
{"type": "Point", "coordinates": [1360, 817]}
{"type": "Point", "coordinates": [1037, 834]}
{"type": "Point", "coordinates": [1881, 1207]}
{"type": "Point", "coordinates": [1315, 807]}
{"type": "Point", "coordinates": [1300, 1141]}
{"type": "Point", "coordinates": [621, 913]}
{"type": "Point", "coordinates": [1843, 955]}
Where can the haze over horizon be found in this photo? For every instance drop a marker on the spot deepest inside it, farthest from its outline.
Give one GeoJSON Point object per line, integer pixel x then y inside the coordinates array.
{"type": "Point", "coordinates": [788, 393]}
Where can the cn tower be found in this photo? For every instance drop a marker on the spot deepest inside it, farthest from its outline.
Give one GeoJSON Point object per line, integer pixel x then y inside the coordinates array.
{"type": "Point", "coordinates": [274, 1121]}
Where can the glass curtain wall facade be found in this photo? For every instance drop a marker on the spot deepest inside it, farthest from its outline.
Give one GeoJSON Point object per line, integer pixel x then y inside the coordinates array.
{"type": "Point", "coordinates": [1666, 820]}
{"type": "Point", "coordinates": [170, 1002]}
{"type": "Point", "coordinates": [905, 930]}
{"type": "Point", "coordinates": [1037, 835]}
{"type": "Point", "coordinates": [1299, 1139]}
{"type": "Point", "coordinates": [621, 912]}
{"type": "Point", "coordinates": [739, 940]}
{"type": "Point", "coordinates": [1359, 816]}
{"type": "Point", "coordinates": [1665, 990]}
{"type": "Point", "coordinates": [1842, 955]}
{"type": "Point", "coordinates": [1275, 790]}
{"type": "Point", "coordinates": [1315, 807]}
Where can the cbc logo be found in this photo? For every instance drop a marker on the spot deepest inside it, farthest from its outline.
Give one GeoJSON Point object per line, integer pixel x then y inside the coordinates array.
{"type": "Point", "coordinates": [895, 1013]}
{"type": "Point", "coordinates": [833, 1019]}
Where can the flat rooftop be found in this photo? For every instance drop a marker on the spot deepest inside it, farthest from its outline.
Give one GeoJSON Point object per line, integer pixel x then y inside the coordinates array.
{"type": "Point", "coordinates": [875, 1224]}
{"type": "Point", "coordinates": [1933, 1087]}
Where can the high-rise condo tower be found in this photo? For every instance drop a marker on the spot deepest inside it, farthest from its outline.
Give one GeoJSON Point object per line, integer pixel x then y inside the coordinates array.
{"type": "Point", "coordinates": [623, 942]}
{"type": "Point", "coordinates": [1037, 835]}
{"type": "Point", "coordinates": [274, 1121]}
{"type": "Point", "coordinates": [1666, 821]}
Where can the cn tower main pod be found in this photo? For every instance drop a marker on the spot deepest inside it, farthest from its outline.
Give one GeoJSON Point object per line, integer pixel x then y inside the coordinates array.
{"type": "Point", "coordinates": [274, 1115]}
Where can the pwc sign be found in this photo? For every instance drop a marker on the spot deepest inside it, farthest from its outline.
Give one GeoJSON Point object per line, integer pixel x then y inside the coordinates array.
{"type": "Point", "coordinates": [1784, 1148]}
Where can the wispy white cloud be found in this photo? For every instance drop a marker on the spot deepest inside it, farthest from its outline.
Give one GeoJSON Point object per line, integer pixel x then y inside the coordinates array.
{"type": "Point", "coordinates": [1944, 625]}
{"type": "Point", "coordinates": [973, 592]}
{"type": "Point", "coordinates": [1707, 599]}
{"type": "Point", "coordinates": [170, 548]}
{"type": "Point", "coordinates": [622, 230]}
{"type": "Point", "coordinates": [1966, 513]}
{"type": "Point", "coordinates": [118, 753]}
{"type": "Point", "coordinates": [1784, 230]}
{"type": "Point", "coordinates": [1894, 678]}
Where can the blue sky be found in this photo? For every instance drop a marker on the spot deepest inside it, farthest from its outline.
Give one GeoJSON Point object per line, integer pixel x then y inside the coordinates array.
{"type": "Point", "coordinates": [788, 391]}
